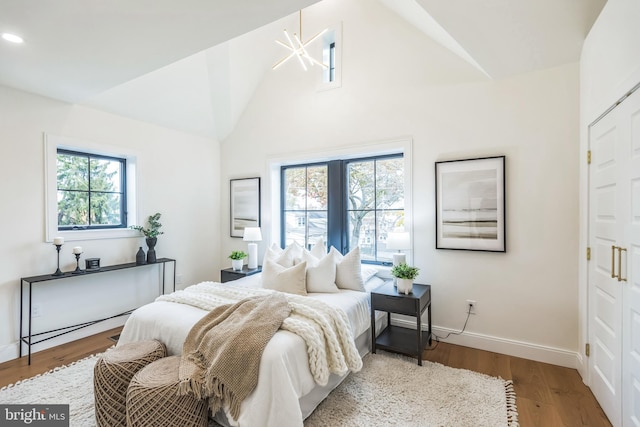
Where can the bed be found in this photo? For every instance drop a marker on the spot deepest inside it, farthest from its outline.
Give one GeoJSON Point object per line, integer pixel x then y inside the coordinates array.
{"type": "Point", "coordinates": [286, 392]}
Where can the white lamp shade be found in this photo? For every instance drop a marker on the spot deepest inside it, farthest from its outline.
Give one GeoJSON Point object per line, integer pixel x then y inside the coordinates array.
{"type": "Point", "coordinates": [399, 241]}
{"type": "Point", "coordinates": [252, 234]}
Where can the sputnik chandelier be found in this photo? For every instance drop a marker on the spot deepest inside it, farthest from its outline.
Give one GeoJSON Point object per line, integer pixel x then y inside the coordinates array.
{"type": "Point", "coordinates": [298, 48]}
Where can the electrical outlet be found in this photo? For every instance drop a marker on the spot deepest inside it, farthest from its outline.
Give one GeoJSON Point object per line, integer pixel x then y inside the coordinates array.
{"type": "Point", "coordinates": [178, 279]}
{"type": "Point", "coordinates": [36, 310]}
{"type": "Point", "coordinates": [471, 306]}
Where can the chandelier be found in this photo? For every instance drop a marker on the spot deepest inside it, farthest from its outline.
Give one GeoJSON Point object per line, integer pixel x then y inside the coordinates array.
{"type": "Point", "coordinates": [297, 48]}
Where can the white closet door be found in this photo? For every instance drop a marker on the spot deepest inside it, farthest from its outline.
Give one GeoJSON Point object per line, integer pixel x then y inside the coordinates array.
{"type": "Point", "coordinates": [605, 293]}
{"type": "Point", "coordinates": [630, 266]}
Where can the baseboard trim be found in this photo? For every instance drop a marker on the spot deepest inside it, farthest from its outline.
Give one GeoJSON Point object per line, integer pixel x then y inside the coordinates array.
{"type": "Point", "coordinates": [539, 353]}
{"type": "Point", "coordinates": [8, 352]}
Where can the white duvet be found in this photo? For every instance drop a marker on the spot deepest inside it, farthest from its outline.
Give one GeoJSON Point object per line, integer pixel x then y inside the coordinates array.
{"type": "Point", "coordinates": [284, 376]}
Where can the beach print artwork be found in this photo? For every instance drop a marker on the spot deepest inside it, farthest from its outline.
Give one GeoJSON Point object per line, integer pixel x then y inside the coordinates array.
{"type": "Point", "coordinates": [470, 204]}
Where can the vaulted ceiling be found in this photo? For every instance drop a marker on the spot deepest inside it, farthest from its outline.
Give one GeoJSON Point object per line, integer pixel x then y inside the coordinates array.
{"type": "Point", "coordinates": [171, 63]}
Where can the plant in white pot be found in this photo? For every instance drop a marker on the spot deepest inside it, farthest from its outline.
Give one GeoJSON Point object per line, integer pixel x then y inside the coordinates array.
{"type": "Point", "coordinates": [405, 275]}
{"type": "Point", "coordinates": [237, 259]}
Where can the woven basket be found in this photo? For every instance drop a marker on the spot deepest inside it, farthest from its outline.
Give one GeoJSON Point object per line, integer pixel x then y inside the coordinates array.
{"type": "Point", "coordinates": [152, 398]}
{"type": "Point", "coordinates": [113, 373]}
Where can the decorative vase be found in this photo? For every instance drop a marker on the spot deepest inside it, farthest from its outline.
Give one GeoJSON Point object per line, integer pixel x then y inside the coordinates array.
{"type": "Point", "coordinates": [236, 264]}
{"type": "Point", "coordinates": [405, 286]}
{"type": "Point", "coordinates": [140, 257]}
{"type": "Point", "coordinates": [151, 254]}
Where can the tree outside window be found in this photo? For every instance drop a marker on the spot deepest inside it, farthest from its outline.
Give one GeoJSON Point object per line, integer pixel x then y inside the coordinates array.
{"type": "Point", "coordinates": [367, 198]}
{"type": "Point", "coordinates": [91, 191]}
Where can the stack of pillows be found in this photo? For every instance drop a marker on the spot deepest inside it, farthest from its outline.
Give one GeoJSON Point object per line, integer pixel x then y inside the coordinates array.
{"type": "Point", "coordinates": [299, 271]}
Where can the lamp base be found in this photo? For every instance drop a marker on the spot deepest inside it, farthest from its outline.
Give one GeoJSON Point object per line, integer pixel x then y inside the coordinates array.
{"type": "Point", "coordinates": [399, 258]}
{"type": "Point", "coordinates": [252, 248]}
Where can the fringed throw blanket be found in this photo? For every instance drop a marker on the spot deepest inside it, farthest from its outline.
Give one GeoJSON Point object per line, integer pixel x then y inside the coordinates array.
{"type": "Point", "coordinates": [325, 329]}
{"type": "Point", "coordinates": [229, 340]}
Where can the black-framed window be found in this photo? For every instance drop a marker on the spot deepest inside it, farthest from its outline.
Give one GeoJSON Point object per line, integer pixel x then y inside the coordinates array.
{"type": "Point", "coordinates": [332, 61]}
{"type": "Point", "coordinates": [348, 203]}
{"type": "Point", "coordinates": [91, 191]}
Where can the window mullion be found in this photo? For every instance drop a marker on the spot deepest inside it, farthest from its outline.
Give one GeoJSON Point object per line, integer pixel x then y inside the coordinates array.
{"type": "Point", "coordinates": [89, 159]}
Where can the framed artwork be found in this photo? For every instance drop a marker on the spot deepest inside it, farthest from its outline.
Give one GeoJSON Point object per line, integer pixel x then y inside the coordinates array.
{"type": "Point", "coordinates": [470, 204]}
{"type": "Point", "coordinates": [245, 205]}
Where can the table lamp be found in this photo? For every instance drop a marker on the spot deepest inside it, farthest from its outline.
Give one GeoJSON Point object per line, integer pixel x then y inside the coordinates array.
{"type": "Point", "coordinates": [399, 241]}
{"type": "Point", "coordinates": [253, 235]}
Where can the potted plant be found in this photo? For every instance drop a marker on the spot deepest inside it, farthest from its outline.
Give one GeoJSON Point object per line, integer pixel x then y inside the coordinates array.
{"type": "Point", "coordinates": [237, 259]}
{"type": "Point", "coordinates": [151, 235]}
{"type": "Point", "coordinates": [405, 275]}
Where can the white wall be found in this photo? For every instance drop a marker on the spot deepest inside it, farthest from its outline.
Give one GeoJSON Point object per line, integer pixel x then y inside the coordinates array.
{"type": "Point", "coordinates": [395, 83]}
{"type": "Point", "coordinates": [609, 67]}
{"type": "Point", "coordinates": [178, 176]}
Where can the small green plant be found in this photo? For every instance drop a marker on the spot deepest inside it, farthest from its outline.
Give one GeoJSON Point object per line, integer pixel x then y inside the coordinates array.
{"type": "Point", "coordinates": [404, 271]}
{"type": "Point", "coordinates": [154, 226]}
{"type": "Point", "coordinates": [237, 255]}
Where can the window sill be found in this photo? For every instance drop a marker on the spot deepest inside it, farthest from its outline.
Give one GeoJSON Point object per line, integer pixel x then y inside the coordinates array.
{"type": "Point", "coordinates": [77, 235]}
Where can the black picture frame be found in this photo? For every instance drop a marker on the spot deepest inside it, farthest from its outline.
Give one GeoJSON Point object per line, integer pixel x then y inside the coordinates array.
{"type": "Point", "coordinates": [244, 202]}
{"type": "Point", "coordinates": [471, 204]}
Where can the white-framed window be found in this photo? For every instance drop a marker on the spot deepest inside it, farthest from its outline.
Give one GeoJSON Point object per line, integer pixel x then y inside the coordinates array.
{"type": "Point", "coordinates": [90, 190]}
{"type": "Point", "coordinates": [332, 57]}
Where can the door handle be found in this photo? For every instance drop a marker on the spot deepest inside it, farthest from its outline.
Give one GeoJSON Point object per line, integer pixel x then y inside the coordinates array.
{"type": "Point", "coordinates": [620, 250]}
{"type": "Point", "coordinates": [613, 262]}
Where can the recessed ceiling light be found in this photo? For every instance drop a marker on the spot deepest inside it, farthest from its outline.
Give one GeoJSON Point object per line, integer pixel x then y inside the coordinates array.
{"type": "Point", "coordinates": [12, 38]}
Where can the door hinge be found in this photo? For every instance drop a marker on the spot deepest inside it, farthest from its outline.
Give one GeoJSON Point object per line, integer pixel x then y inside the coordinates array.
{"type": "Point", "coordinates": [587, 349]}
{"type": "Point", "coordinates": [589, 157]}
{"type": "Point", "coordinates": [588, 254]}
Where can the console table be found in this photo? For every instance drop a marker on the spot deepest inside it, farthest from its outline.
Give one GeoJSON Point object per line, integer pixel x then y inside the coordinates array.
{"type": "Point", "coordinates": [28, 338]}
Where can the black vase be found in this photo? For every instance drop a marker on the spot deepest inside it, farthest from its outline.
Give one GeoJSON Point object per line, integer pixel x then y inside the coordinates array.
{"type": "Point", "coordinates": [140, 257]}
{"type": "Point", "coordinates": [151, 254]}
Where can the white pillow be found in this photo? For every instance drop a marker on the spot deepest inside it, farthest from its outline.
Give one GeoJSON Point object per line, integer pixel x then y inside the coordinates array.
{"type": "Point", "coordinates": [368, 271]}
{"type": "Point", "coordinates": [278, 255]}
{"type": "Point", "coordinates": [348, 269]}
{"type": "Point", "coordinates": [321, 273]}
{"type": "Point", "coordinates": [318, 249]}
{"type": "Point", "coordinates": [294, 250]}
{"type": "Point", "coordinates": [279, 278]}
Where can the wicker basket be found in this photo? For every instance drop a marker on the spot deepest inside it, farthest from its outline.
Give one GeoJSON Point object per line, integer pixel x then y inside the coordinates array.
{"type": "Point", "coordinates": [152, 398]}
{"type": "Point", "coordinates": [113, 373]}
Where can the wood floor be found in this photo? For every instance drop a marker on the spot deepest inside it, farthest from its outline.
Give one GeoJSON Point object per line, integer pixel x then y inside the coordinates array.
{"type": "Point", "coordinates": [546, 395]}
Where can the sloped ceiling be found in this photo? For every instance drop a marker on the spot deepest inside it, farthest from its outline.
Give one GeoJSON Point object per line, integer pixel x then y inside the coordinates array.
{"type": "Point", "coordinates": [75, 49]}
{"type": "Point", "coordinates": [193, 65]}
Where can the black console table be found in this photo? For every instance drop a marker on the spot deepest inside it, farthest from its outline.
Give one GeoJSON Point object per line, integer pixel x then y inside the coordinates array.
{"type": "Point", "coordinates": [28, 338]}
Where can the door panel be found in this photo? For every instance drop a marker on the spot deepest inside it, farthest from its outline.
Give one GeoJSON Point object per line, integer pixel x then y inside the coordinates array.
{"type": "Point", "coordinates": [631, 271]}
{"type": "Point", "coordinates": [605, 302]}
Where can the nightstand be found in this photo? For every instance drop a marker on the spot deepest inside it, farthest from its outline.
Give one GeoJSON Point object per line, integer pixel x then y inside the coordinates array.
{"type": "Point", "coordinates": [396, 338]}
{"type": "Point", "coordinates": [229, 274]}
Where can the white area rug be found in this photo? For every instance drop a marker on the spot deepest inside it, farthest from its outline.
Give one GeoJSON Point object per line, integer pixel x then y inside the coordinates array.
{"type": "Point", "coordinates": [389, 391]}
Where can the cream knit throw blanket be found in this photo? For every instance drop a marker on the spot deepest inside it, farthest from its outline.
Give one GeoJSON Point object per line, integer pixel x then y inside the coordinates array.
{"type": "Point", "coordinates": [228, 340]}
{"type": "Point", "coordinates": [325, 329]}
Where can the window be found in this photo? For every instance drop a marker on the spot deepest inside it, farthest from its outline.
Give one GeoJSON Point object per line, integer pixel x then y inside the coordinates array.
{"type": "Point", "coordinates": [91, 191]}
{"type": "Point", "coordinates": [305, 203]}
{"type": "Point", "coordinates": [331, 75]}
{"type": "Point", "coordinates": [348, 203]}
{"type": "Point", "coordinates": [375, 204]}
{"type": "Point", "coordinates": [332, 61]}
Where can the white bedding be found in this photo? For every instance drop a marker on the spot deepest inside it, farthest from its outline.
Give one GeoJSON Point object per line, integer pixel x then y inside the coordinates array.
{"type": "Point", "coordinates": [284, 376]}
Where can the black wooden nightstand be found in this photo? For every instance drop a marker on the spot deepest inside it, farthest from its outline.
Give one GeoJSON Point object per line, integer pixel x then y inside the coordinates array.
{"type": "Point", "coordinates": [229, 274]}
{"type": "Point", "coordinates": [396, 338]}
